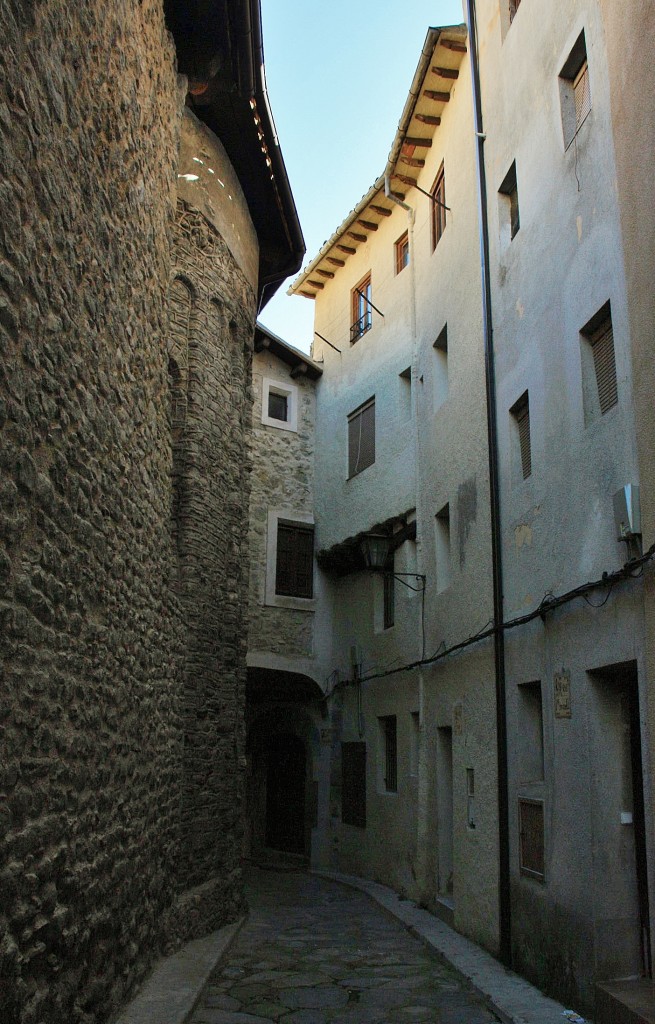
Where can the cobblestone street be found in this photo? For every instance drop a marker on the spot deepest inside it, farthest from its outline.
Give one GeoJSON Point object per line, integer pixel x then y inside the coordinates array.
{"type": "Point", "coordinates": [313, 952]}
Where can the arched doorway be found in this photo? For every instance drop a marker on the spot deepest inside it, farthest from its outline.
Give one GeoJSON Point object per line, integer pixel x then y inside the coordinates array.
{"type": "Point", "coordinates": [286, 774]}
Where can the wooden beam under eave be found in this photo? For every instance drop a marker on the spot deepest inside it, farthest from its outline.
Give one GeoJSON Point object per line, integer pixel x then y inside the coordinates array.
{"type": "Point", "coordinates": [406, 180]}
{"type": "Point", "coordinates": [308, 295]}
{"type": "Point", "coordinates": [335, 262]}
{"type": "Point", "coordinates": [428, 119]}
{"type": "Point", "coordinates": [325, 273]}
{"type": "Point", "coordinates": [411, 141]}
{"type": "Point", "coordinates": [451, 73]}
{"type": "Point", "coordinates": [452, 44]}
{"type": "Point", "coordinates": [440, 97]}
{"type": "Point", "coordinates": [368, 224]}
{"type": "Point", "coordinates": [356, 235]}
{"type": "Point", "coordinates": [316, 284]}
{"type": "Point", "coordinates": [347, 248]}
{"type": "Point", "coordinates": [398, 195]}
{"type": "Point", "coordinates": [382, 210]}
{"type": "Point", "coordinates": [412, 161]}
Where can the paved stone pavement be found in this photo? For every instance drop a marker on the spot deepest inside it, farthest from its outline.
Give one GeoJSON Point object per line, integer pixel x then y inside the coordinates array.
{"type": "Point", "coordinates": [313, 952]}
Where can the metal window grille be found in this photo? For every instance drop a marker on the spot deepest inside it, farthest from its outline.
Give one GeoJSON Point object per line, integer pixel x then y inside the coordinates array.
{"type": "Point", "coordinates": [361, 438]}
{"type": "Point", "coordinates": [353, 784]}
{"type": "Point", "coordinates": [605, 366]}
{"type": "Point", "coordinates": [438, 207]}
{"type": "Point", "coordinates": [531, 837]}
{"type": "Point", "coordinates": [294, 574]}
{"type": "Point", "coordinates": [388, 724]}
{"type": "Point", "coordinates": [402, 252]}
{"type": "Point", "coordinates": [278, 406]}
{"type": "Point", "coordinates": [521, 412]}
{"type": "Point", "coordinates": [362, 311]}
{"type": "Point", "coordinates": [582, 94]}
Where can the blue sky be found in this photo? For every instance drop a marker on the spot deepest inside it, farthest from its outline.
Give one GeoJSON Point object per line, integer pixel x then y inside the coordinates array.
{"type": "Point", "coordinates": [338, 75]}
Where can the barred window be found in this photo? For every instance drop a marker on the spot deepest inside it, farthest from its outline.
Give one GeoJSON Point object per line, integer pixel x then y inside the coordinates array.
{"type": "Point", "coordinates": [353, 784]}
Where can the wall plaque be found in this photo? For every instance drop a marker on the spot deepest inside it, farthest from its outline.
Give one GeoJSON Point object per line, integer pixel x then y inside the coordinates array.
{"type": "Point", "coordinates": [563, 694]}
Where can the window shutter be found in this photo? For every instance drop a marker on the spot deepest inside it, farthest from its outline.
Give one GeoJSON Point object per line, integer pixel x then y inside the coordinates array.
{"type": "Point", "coordinates": [294, 573]}
{"type": "Point", "coordinates": [605, 367]}
{"type": "Point", "coordinates": [353, 784]}
{"type": "Point", "coordinates": [523, 422]}
{"type": "Point", "coordinates": [361, 439]}
{"type": "Point", "coordinates": [582, 95]}
{"type": "Point", "coordinates": [531, 829]}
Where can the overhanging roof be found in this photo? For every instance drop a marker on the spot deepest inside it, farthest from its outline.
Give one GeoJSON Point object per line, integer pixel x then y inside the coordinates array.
{"type": "Point", "coordinates": [436, 73]}
{"type": "Point", "coordinates": [300, 364]}
{"type": "Point", "coordinates": [220, 49]}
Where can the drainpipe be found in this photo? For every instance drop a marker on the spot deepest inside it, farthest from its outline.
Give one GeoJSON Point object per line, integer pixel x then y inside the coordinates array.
{"type": "Point", "coordinates": [496, 545]}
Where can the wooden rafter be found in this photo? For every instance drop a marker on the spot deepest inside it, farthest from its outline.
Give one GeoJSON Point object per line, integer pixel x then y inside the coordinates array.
{"type": "Point", "coordinates": [347, 248]}
{"type": "Point", "coordinates": [368, 224]}
{"type": "Point", "coordinates": [324, 273]}
{"type": "Point", "coordinates": [452, 44]}
{"type": "Point", "coordinates": [382, 210]}
{"type": "Point", "coordinates": [451, 73]}
{"type": "Point", "coordinates": [316, 284]}
{"type": "Point", "coordinates": [308, 295]}
{"type": "Point", "coordinates": [356, 235]}
{"type": "Point", "coordinates": [412, 161]}
{"type": "Point", "coordinates": [428, 119]}
{"type": "Point", "coordinates": [421, 143]}
{"type": "Point", "coordinates": [405, 180]}
{"type": "Point", "coordinates": [335, 262]}
{"type": "Point", "coordinates": [440, 97]}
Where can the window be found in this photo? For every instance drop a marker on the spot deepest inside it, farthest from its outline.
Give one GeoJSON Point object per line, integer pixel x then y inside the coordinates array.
{"type": "Point", "coordinates": [405, 379]}
{"type": "Point", "coordinates": [470, 797]}
{"type": "Point", "coordinates": [531, 837]}
{"type": "Point", "coordinates": [509, 204]}
{"type": "Point", "coordinates": [289, 581]}
{"type": "Point", "coordinates": [389, 753]}
{"type": "Point", "coordinates": [575, 91]}
{"type": "Point", "coordinates": [521, 413]}
{"type": "Point", "coordinates": [361, 438]}
{"type": "Point", "coordinates": [599, 383]}
{"type": "Point", "coordinates": [362, 311]}
{"type": "Point", "coordinates": [513, 8]}
{"type": "Point", "coordinates": [389, 595]}
{"type": "Point", "coordinates": [440, 368]}
{"type": "Point", "coordinates": [402, 252]}
{"type": "Point", "coordinates": [442, 538]}
{"type": "Point", "coordinates": [438, 193]}
{"type": "Point", "coordinates": [279, 404]}
{"type": "Point", "coordinates": [414, 742]}
{"type": "Point", "coordinates": [294, 571]}
{"type": "Point", "coordinates": [353, 784]}
{"type": "Point", "coordinates": [530, 735]}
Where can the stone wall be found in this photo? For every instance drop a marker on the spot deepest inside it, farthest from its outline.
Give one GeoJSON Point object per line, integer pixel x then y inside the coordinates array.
{"type": "Point", "coordinates": [101, 743]}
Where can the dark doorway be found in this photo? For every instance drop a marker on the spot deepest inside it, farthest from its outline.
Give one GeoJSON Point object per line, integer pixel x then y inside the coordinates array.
{"type": "Point", "coordinates": [285, 793]}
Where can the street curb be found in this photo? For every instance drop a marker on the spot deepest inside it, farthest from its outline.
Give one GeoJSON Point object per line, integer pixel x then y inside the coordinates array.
{"type": "Point", "coordinates": [509, 996]}
{"type": "Point", "coordinates": [172, 990]}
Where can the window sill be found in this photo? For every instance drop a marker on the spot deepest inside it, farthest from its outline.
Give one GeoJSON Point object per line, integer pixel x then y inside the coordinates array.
{"type": "Point", "coordinates": [299, 604]}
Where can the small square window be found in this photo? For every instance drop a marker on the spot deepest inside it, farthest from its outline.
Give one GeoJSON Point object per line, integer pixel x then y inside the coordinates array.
{"type": "Point", "coordinates": [362, 310]}
{"type": "Point", "coordinates": [361, 438]}
{"type": "Point", "coordinates": [438, 219]}
{"type": "Point", "coordinates": [402, 252]}
{"type": "Point", "coordinates": [278, 406]}
{"type": "Point", "coordinates": [575, 90]}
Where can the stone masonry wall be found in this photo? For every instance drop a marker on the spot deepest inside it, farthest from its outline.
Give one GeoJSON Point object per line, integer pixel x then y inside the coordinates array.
{"type": "Point", "coordinates": [283, 477]}
{"type": "Point", "coordinates": [95, 861]}
{"type": "Point", "coordinates": [211, 348]}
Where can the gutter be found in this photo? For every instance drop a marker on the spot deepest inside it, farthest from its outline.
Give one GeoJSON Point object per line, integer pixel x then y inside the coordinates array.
{"type": "Point", "coordinates": [494, 499]}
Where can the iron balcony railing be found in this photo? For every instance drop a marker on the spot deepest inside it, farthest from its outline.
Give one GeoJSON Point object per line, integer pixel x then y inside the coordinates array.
{"type": "Point", "coordinates": [361, 326]}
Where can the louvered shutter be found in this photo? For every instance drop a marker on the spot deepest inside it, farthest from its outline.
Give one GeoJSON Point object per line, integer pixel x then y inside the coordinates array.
{"type": "Point", "coordinates": [353, 784]}
{"type": "Point", "coordinates": [582, 95]}
{"type": "Point", "coordinates": [361, 439]}
{"type": "Point", "coordinates": [605, 367]}
{"type": "Point", "coordinates": [523, 422]}
{"type": "Point", "coordinates": [294, 572]}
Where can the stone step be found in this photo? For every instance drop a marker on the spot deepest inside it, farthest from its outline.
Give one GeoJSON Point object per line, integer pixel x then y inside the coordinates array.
{"type": "Point", "coordinates": [625, 1002]}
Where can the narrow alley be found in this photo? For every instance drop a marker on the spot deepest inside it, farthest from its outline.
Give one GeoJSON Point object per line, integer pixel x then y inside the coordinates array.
{"type": "Point", "coordinates": [313, 952]}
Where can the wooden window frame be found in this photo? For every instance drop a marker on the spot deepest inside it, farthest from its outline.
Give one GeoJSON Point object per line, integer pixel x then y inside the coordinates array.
{"type": "Point", "coordinates": [363, 460]}
{"type": "Point", "coordinates": [361, 309]}
{"type": "Point", "coordinates": [401, 249]}
{"type": "Point", "coordinates": [438, 208]}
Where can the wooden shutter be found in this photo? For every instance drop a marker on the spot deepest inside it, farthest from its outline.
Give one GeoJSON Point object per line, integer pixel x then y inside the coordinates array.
{"type": "Point", "coordinates": [522, 415]}
{"type": "Point", "coordinates": [294, 573]}
{"type": "Point", "coordinates": [361, 438]}
{"type": "Point", "coordinates": [390, 754]}
{"type": "Point", "coordinates": [353, 784]}
{"type": "Point", "coordinates": [605, 367]}
{"type": "Point", "coordinates": [582, 95]}
{"type": "Point", "coordinates": [531, 836]}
